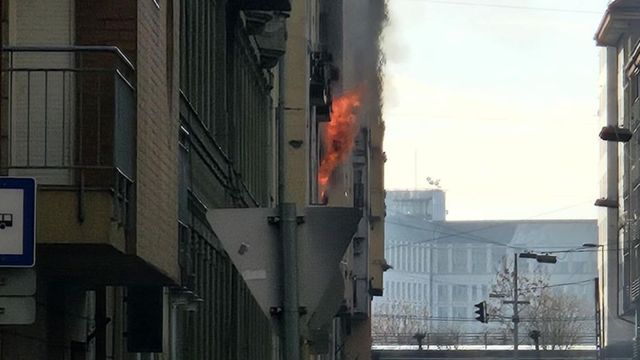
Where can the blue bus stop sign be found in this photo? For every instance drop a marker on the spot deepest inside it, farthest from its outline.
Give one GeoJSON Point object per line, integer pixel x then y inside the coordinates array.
{"type": "Point", "coordinates": [17, 222]}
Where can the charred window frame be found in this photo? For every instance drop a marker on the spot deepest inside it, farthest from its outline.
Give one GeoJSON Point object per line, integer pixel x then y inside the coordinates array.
{"type": "Point", "coordinates": [315, 158]}
{"type": "Point", "coordinates": [322, 74]}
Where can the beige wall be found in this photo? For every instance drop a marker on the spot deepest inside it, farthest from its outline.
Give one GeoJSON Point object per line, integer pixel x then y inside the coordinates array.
{"type": "Point", "coordinates": [157, 169]}
{"type": "Point", "coordinates": [296, 103]}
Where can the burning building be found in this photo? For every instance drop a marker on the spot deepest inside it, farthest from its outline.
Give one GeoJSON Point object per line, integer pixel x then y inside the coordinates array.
{"type": "Point", "coordinates": [153, 130]}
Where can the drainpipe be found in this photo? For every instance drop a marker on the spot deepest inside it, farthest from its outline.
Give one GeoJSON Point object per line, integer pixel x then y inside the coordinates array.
{"type": "Point", "coordinates": [288, 224]}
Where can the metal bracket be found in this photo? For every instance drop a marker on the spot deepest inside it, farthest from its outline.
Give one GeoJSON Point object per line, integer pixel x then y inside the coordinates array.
{"type": "Point", "coordinates": [273, 220]}
{"type": "Point", "coordinates": [276, 310]}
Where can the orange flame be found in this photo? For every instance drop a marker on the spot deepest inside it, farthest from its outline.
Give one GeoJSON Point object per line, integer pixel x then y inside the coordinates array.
{"type": "Point", "coordinates": [339, 135]}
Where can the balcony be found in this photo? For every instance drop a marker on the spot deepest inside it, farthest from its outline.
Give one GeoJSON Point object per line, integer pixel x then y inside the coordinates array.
{"type": "Point", "coordinates": [68, 119]}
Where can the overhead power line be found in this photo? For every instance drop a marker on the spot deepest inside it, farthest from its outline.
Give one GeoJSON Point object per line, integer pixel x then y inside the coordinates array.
{"type": "Point", "coordinates": [514, 7]}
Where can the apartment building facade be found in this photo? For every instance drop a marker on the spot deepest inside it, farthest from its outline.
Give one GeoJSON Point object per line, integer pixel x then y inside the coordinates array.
{"type": "Point", "coordinates": [618, 36]}
{"type": "Point", "coordinates": [137, 119]}
{"type": "Point", "coordinates": [332, 162]}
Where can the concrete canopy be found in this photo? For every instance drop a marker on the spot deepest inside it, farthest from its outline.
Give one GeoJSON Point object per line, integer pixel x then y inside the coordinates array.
{"type": "Point", "coordinates": [253, 244]}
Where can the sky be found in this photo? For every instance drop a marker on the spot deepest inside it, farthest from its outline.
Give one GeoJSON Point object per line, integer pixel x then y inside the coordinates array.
{"type": "Point", "coordinates": [500, 104]}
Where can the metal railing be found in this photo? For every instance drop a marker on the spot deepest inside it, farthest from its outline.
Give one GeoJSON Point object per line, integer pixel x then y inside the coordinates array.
{"type": "Point", "coordinates": [453, 340]}
{"type": "Point", "coordinates": [68, 118]}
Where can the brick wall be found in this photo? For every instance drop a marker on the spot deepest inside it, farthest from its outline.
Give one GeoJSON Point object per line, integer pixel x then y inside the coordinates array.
{"type": "Point", "coordinates": [157, 153]}
{"type": "Point", "coordinates": [107, 23]}
{"type": "Point", "coordinates": [111, 23]}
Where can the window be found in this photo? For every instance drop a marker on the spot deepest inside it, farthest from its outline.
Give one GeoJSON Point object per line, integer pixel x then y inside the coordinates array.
{"type": "Point", "coordinates": [443, 312]}
{"type": "Point", "coordinates": [460, 312]}
{"type": "Point", "coordinates": [479, 260]}
{"type": "Point", "coordinates": [405, 256]}
{"type": "Point", "coordinates": [474, 292]}
{"type": "Point", "coordinates": [460, 260]}
{"type": "Point", "coordinates": [443, 293]}
{"type": "Point", "coordinates": [460, 293]}
{"type": "Point", "coordinates": [497, 255]}
{"type": "Point", "coordinates": [396, 256]}
{"type": "Point", "coordinates": [442, 254]}
{"type": "Point", "coordinates": [485, 291]}
{"type": "Point", "coordinates": [562, 267]}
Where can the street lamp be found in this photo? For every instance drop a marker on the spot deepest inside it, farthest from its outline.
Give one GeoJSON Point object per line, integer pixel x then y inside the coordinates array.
{"type": "Point", "coordinates": [607, 203]}
{"type": "Point", "coordinates": [616, 134]}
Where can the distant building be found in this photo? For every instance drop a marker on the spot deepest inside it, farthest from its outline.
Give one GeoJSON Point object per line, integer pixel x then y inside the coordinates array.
{"type": "Point", "coordinates": [149, 123]}
{"type": "Point", "coordinates": [443, 268]}
{"type": "Point", "coordinates": [424, 204]}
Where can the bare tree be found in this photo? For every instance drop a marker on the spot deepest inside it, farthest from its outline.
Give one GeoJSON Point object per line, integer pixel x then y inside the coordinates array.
{"type": "Point", "coordinates": [399, 318]}
{"type": "Point", "coordinates": [563, 320]}
{"type": "Point", "coordinates": [403, 323]}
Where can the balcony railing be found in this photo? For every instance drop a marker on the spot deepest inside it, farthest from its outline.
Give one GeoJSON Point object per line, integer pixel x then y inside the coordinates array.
{"type": "Point", "coordinates": [68, 117]}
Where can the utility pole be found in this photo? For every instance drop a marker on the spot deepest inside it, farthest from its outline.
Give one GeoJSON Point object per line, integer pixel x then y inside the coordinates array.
{"type": "Point", "coordinates": [541, 258]}
{"type": "Point", "coordinates": [516, 317]}
{"type": "Point", "coordinates": [288, 224]}
{"type": "Point", "coordinates": [598, 321]}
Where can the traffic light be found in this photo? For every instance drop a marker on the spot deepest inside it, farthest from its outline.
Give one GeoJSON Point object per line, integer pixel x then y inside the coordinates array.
{"type": "Point", "coordinates": [482, 312]}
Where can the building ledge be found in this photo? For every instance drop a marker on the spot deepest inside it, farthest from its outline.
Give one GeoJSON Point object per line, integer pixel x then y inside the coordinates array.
{"type": "Point", "coordinates": [97, 264]}
{"type": "Point", "coordinates": [619, 18]}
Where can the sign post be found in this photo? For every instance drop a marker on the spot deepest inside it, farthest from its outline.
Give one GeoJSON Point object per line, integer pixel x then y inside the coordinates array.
{"type": "Point", "coordinates": [17, 222]}
{"type": "Point", "coordinates": [17, 250]}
